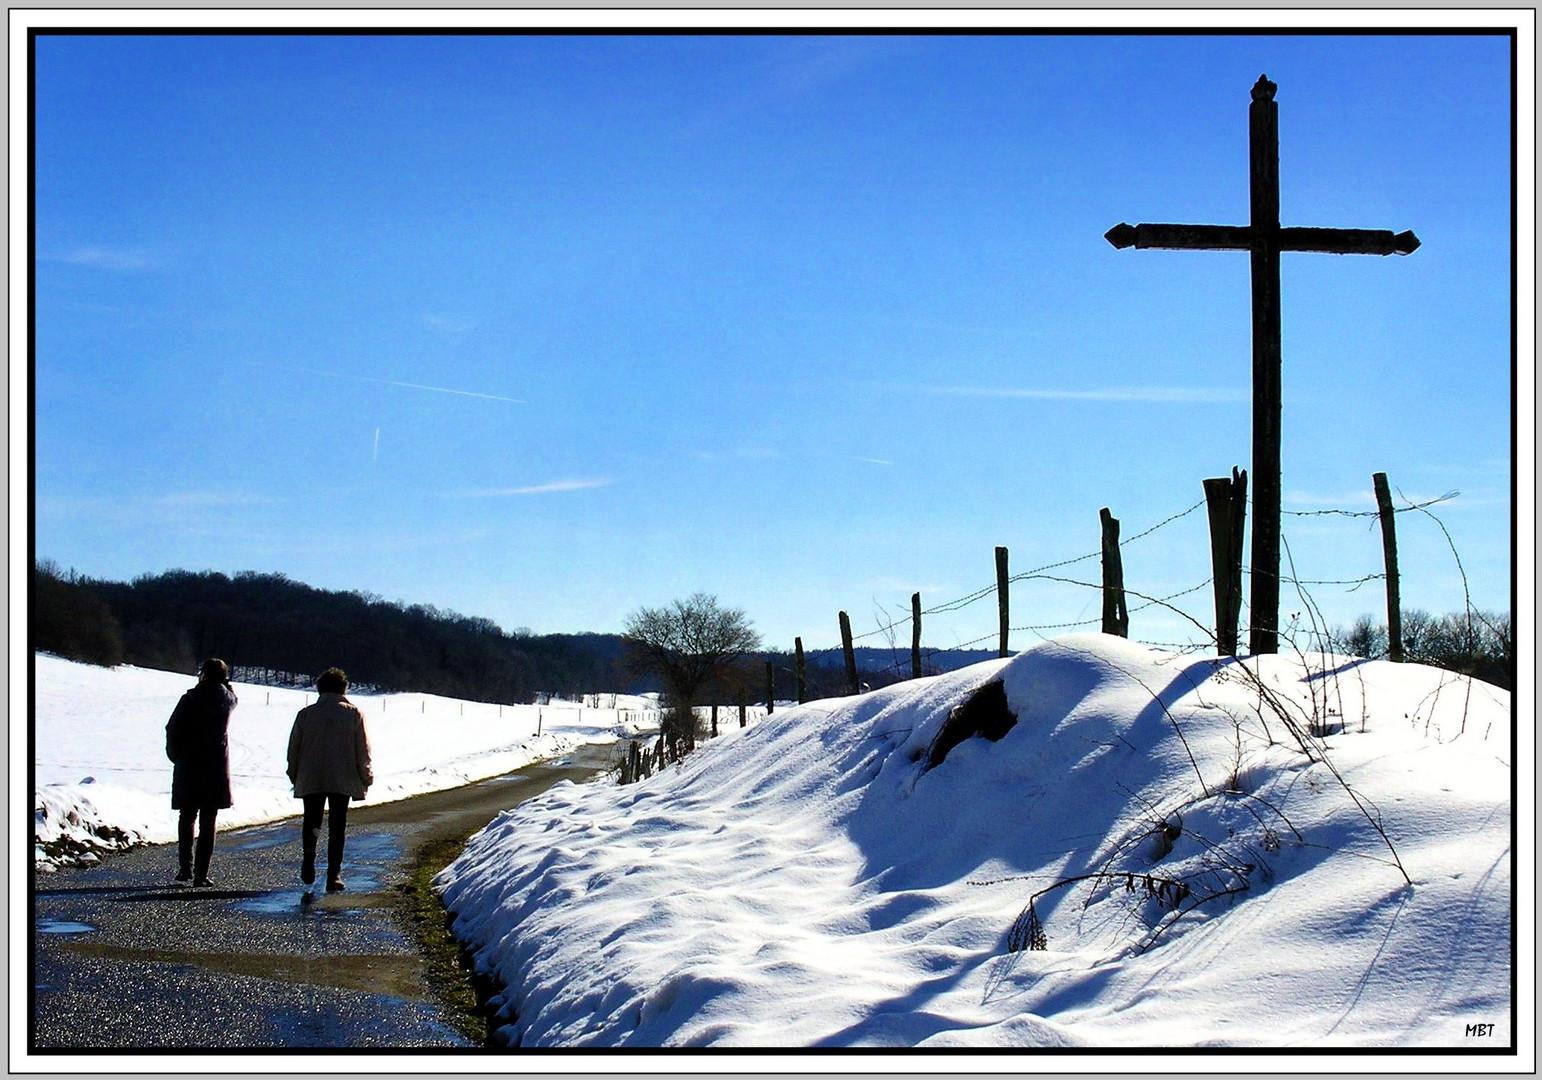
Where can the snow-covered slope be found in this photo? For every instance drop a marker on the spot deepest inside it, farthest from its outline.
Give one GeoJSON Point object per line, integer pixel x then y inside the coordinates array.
{"type": "Point", "coordinates": [103, 781]}
{"type": "Point", "coordinates": [1281, 852]}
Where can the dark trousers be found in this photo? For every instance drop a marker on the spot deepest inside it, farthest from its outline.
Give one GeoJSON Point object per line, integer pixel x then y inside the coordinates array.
{"type": "Point", "coordinates": [337, 822]}
{"type": "Point", "coordinates": [185, 854]}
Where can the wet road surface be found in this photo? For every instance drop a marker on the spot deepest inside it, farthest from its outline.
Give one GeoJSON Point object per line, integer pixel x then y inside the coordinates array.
{"type": "Point", "coordinates": [124, 958]}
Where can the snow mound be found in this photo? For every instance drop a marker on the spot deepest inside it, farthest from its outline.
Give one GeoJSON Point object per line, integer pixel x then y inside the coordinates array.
{"type": "Point", "coordinates": [1140, 849]}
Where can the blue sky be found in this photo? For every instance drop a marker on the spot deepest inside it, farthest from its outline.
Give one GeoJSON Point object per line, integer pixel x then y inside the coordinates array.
{"type": "Point", "coordinates": [545, 328]}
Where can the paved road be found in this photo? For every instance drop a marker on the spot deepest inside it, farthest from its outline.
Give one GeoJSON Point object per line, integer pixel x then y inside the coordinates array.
{"type": "Point", "coordinates": [123, 958]}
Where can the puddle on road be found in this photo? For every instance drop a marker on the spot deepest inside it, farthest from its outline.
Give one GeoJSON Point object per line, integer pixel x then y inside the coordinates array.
{"type": "Point", "coordinates": [47, 925]}
{"type": "Point", "coordinates": [389, 974]}
{"type": "Point", "coordinates": [325, 1025]}
{"type": "Point", "coordinates": [364, 862]}
{"type": "Point", "coordinates": [295, 902]}
{"type": "Point", "coordinates": [360, 846]}
{"type": "Point", "coordinates": [261, 839]}
{"type": "Point", "coordinates": [368, 847]}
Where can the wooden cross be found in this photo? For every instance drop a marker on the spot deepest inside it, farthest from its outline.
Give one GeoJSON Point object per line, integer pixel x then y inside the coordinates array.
{"type": "Point", "coordinates": [1265, 239]}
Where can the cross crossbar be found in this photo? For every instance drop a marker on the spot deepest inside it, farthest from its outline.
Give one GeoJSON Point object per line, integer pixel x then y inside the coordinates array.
{"type": "Point", "coordinates": [1240, 238]}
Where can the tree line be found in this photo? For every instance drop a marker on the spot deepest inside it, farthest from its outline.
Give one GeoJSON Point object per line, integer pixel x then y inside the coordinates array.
{"type": "Point", "coordinates": [171, 621]}
{"type": "Point", "coordinates": [1476, 643]}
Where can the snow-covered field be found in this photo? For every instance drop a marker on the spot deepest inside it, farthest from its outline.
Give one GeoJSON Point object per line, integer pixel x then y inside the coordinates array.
{"type": "Point", "coordinates": [1287, 852]}
{"type": "Point", "coordinates": [102, 778]}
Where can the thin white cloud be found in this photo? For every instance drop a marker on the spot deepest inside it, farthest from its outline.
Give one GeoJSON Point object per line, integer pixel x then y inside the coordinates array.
{"type": "Point", "coordinates": [392, 382]}
{"type": "Point", "coordinates": [873, 461]}
{"type": "Point", "coordinates": [533, 489]}
{"type": "Point", "coordinates": [448, 324]}
{"type": "Point", "coordinates": [1364, 501]}
{"type": "Point", "coordinates": [352, 544]}
{"type": "Point", "coordinates": [201, 499]}
{"type": "Point", "coordinates": [1348, 500]}
{"type": "Point", "coordinates": [146, 507]}
{"type": "Point", "coordinates": [743, 453]}
{"type": "Point", "coordinates": [1155, 395]}
{"type": "Point", "coordinates": [105, 258]}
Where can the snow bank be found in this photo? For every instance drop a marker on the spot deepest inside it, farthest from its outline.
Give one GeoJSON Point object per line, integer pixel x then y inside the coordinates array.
{"type": "Point", "coordinates": [102, 780]}
{"type": "Point", "coordinates": [1282, 852]}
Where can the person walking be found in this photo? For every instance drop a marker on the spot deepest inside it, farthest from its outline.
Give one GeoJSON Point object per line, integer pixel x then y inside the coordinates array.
{"type": "Point", "coordinates": [198, 744]}
{"type": "Point", "coordinates": [328, 765]}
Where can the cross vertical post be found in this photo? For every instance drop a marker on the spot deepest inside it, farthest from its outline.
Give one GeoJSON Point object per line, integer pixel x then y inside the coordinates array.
{"type": "Point", "coordinates": [1264, 238]}
{"type": "Point", "coordinates": [1264, 190]}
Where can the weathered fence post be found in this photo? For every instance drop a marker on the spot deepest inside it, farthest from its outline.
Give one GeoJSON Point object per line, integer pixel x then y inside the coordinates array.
{"type": "Point", "coordinates": [797, 648]}
{"type": "Point", "coordinates": [1227, 504]}
{"type": "Point", "coordinates": [770, 688]}
{"type": "Point", "coordinates": [915, 635]}
{"type": "Point", "coordinates": [1116, 616]}
{"type": "Point", "coordinates": [1389, 549]}
{"type": "Point", "coordinates": [714, 718]}
{"type": "Point", "coordinates": [851, 657]}
{"type": "Point", "coordinates": [743, 693]}
{"type": "Point", "coordinates": [1001, 597]}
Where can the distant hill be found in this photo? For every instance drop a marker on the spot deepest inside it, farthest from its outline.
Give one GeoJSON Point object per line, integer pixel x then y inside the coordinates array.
{"type": "Point", "coordinates": [273, 625]}
{"type": "Point", "coordinates": [933, 661]}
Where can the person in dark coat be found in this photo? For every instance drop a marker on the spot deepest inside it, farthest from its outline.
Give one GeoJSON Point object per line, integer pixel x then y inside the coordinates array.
{"type": "Point", "coordinates": [198, 744]}
{"type": "Point", "coordinates": [329, 764]}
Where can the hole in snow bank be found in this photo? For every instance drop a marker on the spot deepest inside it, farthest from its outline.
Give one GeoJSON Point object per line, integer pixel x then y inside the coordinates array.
{"type": "Point", "coordinates": [1163, 837]}
{"type": "Point", "coordinates": [983, 712]}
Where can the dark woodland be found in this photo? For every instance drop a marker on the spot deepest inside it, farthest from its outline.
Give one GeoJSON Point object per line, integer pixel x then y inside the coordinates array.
{"type": "Point", "coordinates": [171, 621]}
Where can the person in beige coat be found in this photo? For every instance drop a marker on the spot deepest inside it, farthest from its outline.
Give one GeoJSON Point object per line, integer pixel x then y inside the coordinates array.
{"type": "Point", "coordinates": [328, 764]}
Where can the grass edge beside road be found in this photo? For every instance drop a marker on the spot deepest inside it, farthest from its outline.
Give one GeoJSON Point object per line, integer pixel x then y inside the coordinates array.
{"type": "Point", "coordinates": [446, 965]}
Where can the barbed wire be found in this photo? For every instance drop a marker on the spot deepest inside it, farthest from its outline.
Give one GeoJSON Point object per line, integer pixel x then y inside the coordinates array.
{"type": "Point", "coordinates": [1163, 524]}
{"type": "Point", "coordinates": [1027, 575]}
{"type": "Point", "coordinates": [1174, 596]}
{"type": "Point", "coordinates": [1353, 584]}
{"type": "Point", "coordinates": [1041, 573]}
{"type": "Point", "coordinates": [1447, 497]}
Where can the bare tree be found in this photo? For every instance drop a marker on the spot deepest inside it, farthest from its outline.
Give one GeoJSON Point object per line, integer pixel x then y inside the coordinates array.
{"type": "Point", "coordinates": [688, 644]}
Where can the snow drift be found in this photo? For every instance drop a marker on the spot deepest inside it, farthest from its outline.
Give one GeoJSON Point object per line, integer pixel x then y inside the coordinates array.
{"type": "Point", "coordinates": [1140, 849]}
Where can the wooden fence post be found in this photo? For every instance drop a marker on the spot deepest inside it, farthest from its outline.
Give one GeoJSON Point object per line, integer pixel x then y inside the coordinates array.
{"type": "Point", "coordinates": [1227, 505]}
{"type": "Point", "coordinates": [1389, 549]}
{"type": "Point", "coordinates": [797, 648]}
{"type": "Point", "coordinates": [1116, 616]}
{"type": "Point", "coordinates": [851, 657]}
{"type": "Point", "coordinates": [714, 718]}
{"type": "Point", "coordinates": [770, 688]}
{"type": "Point", "coordinates": [1001, 597]}
{"type": "Point", "coordinates": [915, 635]}
{"type": "Point", "coordinates": [742, 693]}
